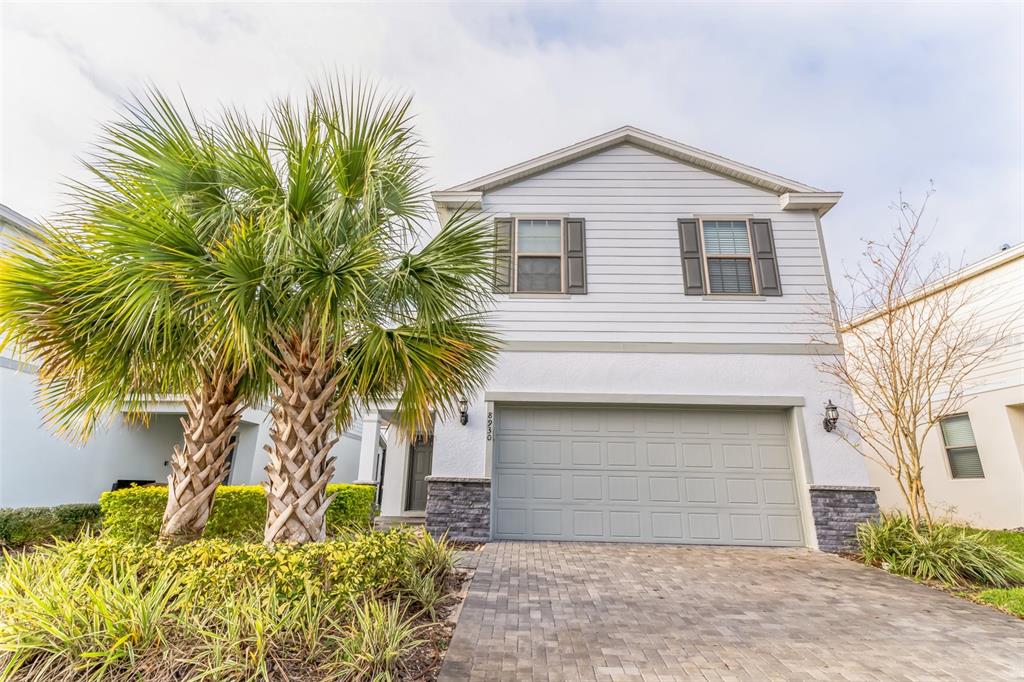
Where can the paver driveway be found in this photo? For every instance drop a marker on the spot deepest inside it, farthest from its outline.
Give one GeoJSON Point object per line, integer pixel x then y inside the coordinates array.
{"type": "Point", "coordinates": [593, 611]}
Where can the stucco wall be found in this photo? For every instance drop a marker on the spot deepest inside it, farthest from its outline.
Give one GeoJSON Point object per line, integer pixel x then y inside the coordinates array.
{"type": "Point", "coordinates": [995, 501]}
{"type": "Point", "coordinates": [39, 469]}
{"type": "Point", "coordinates": [460, 450]}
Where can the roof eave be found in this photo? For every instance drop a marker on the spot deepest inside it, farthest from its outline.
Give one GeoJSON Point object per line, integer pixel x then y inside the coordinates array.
{"type": "Point", "coordinates": [820, 202]}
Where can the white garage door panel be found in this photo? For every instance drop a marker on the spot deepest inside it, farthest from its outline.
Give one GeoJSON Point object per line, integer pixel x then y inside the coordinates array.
{"type": "Point", "coordinates": [644, 475]}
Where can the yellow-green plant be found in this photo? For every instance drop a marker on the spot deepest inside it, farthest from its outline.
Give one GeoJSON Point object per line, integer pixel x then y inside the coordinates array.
{"type": "Point", "coordinates": [427, 591]}
{"type": "Point", "coordinates": [379, 634]}
{"type": "Point", "coordinates": [238, 513]}
{"type": "Point", "coordinates": [104, 609]}
{"type": "Point", "coordinates": [430, 555]}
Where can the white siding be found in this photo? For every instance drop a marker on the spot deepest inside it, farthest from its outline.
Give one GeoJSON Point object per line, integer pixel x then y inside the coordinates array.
{"type": "Point", "coordinates": [992, 301]}
{"type": "Point", "coordinates": [997, 299]}
{"type": "Point", "coordinates": [631, 199]}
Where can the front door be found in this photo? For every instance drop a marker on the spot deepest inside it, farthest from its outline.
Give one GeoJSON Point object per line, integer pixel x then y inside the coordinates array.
{"type": "Point", "coordinates": [421, 454]}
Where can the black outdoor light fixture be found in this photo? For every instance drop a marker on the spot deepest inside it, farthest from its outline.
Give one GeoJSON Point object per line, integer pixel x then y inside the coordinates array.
{"type": "Point", "coordinates": [831, 417]}
{"type": "Point", "coordinates": [463, 411]}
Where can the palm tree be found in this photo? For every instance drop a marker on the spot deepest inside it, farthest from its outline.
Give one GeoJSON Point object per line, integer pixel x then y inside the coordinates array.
{"type": "Point", "coordinates": [336, 203]}
{"type": "Point", "coordinates": [97, 301]}
{"type": "Point", "coordinates": [242, 259]}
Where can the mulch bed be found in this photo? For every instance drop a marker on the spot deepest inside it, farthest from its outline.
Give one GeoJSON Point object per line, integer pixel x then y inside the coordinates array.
{"type": "Point", "coordinates": [423, 664]}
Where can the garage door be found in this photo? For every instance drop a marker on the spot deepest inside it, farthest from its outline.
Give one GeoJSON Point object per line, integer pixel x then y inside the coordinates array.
{"type": "Point", "coordinates": [644, 475]}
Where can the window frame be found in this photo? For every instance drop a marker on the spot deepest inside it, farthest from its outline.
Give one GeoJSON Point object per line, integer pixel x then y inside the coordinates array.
{"type": "Point", "coordinates": [705, 256]}
{"type": "Point", "coordinates": [532, 254]}
{"type": "Point", "coordinates": [946, 448]}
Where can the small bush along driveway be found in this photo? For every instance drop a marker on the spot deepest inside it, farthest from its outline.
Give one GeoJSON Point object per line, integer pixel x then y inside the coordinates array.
{"type": "Point", "coordinates": [595, 611]}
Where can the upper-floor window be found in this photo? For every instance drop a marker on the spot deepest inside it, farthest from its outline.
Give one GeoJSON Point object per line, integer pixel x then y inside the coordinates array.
{"type": "Point", "coordinates": [727, 257]}
{"type": "Point", "coordinates": [961, 448]}
{"type": "Point", "coordinates": [730, 256]}
{"type": "Point", "coordinates": [539, 256]}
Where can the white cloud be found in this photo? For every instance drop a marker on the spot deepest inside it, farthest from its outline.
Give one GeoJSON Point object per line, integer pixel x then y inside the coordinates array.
{"type": "Point", "coordinates": [868, 99]}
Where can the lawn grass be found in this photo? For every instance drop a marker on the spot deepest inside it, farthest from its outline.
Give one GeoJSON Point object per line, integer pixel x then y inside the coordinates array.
{"type": "Point", "coordinates": [1011, 599]}
{"type": "Point", "coordinates": [1010, 539]}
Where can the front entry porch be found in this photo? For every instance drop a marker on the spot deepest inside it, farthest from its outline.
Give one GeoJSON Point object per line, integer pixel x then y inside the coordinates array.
{"type": "Point", "coordinates": [398, 467]}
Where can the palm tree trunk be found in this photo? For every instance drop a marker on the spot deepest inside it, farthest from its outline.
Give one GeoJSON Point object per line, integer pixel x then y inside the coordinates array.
{"type": "Point", "coordinates": [302, 435]}
{"type": "Point", "coordinates": [199, 465]}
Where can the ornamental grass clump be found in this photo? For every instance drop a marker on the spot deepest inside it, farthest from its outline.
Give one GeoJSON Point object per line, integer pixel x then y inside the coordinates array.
{"type": "Point", "coordinates": [952, 555]}
{"type": "Point", "coordinates": [373, 645]}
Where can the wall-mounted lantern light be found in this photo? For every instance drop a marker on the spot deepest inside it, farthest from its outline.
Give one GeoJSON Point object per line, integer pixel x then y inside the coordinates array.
{"type": "Point", "coordinates": [831, 417]}
{"type": "Point", "coordinates": [463, 411]}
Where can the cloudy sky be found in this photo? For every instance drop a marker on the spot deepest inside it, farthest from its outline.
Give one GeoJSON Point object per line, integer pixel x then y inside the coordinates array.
{"type": "Point", "coordinates": [868, 99]}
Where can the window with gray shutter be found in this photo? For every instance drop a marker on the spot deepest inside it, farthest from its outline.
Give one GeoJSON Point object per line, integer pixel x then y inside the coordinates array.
{"type": "Point", "coordinates": [764, 257]}
{"type": "Point", "coordinates": [503, 243]}
{"type": "Point", "coordinates": [727, 251]}
{"type": "Point", "coordinates": [693, 259]}
{"type": "Point", "coordinates": [961, 449]}
{"type": "Point", "coordinates": [548, 256]}
{"type": "Point", "coordinates": [575, 256]}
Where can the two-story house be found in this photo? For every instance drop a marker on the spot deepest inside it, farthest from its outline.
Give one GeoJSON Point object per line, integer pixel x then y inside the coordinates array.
{"type": "Point", "coordinates": [660, 307]}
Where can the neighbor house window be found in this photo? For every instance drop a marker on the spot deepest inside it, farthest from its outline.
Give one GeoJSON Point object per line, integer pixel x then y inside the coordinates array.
{"type": "Point", "coordinates": [539, 255]}
{"type": "Point", "coordinates": [961, 450]}
{"type": "Point", "coordinates": [727, 257]}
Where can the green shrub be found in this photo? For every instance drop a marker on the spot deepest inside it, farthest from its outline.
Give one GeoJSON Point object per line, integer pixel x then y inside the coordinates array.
{"type": "Point", "coordinates": [239, 512]}
{"type": "Point", "coordinates": [943, 552]}
{"type": "Point", "coordinates": [32, 525]}
{"type": "Point", "coordinates": [101, 608]}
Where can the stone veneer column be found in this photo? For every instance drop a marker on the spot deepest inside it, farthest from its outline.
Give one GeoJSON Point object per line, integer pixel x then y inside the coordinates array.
{"type": "Point", "coordinates": [459, 506]}
{"type": "Point", "coordinates": [837, 510]}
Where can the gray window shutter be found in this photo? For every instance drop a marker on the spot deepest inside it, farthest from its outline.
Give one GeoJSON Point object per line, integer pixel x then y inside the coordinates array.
{"type": "Point", "coordinates": [764, 257]}
{"type": "Point", "coordinates": [503, 255]}
{"type": "Point", "coordinates": [693, 266]}
{"type": "Point", "coordinates": [575, 256]}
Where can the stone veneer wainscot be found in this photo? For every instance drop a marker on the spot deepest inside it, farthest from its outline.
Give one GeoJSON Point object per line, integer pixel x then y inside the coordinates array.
{"type": "Point", "coordinates": [837, 510]}
{"type": "Point", "coordinates": [459, 506]}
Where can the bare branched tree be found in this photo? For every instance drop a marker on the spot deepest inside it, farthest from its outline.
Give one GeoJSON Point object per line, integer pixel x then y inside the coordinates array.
{"type": "Point", "coordinates": [912, 340]}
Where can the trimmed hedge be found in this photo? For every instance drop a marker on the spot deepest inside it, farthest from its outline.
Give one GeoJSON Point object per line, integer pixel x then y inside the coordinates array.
{"type": "Point", "coordinates": [239, 511]}
{"type": "Point", "coordinates": [31, 525]}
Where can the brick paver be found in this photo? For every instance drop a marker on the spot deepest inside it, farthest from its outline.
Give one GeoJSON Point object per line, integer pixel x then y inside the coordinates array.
{"type": "Point", "coordinates": [594, 611]}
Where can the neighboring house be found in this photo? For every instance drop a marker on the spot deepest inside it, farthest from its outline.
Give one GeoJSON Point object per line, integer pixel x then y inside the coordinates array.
{"type": "Point", "coordinates": [973, 464]}
{"type": "Point", "coordinates": [38, 469]}
{"type": "Point", "coordinates": [659, 306]}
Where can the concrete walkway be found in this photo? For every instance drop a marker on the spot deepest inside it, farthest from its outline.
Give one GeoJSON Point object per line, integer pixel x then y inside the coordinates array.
{"type": "Point", "coordinates": [590, 611]}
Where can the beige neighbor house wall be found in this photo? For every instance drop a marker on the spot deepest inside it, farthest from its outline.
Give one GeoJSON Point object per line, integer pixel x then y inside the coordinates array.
{"type": "Point", "coordinates": [995, 405]}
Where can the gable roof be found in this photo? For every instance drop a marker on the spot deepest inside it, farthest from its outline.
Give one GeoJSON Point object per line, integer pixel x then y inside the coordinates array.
{"type": "Point", "coordinates": [1002, 257]}
{"type": "Point", "coordinates": [9, 218]}
{"type": "Point", "coordinates": [795, 195]}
